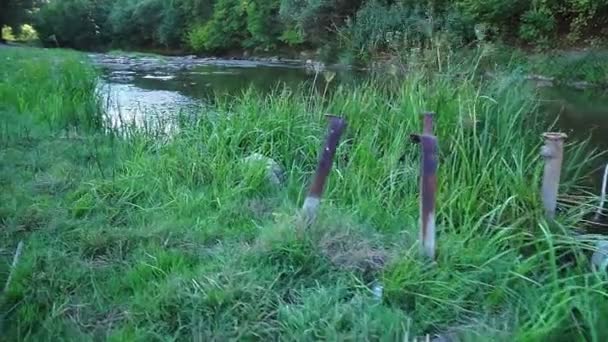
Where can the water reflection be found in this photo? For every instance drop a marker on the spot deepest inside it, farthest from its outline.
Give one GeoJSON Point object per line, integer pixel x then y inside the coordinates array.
{"type": "Point", "coordinates": [581, 114]}
{"type": "Point", "coordinates": [136, 90]}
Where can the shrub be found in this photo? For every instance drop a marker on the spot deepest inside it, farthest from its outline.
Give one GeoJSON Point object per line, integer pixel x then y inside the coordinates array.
{"type": "Point", "coordinates": [73, 23]}
{"type": "Point", "coordinates": [292, 36]}
{"type": "Point", "coordinates": [197, 37]}
{"type": "Point", "coordinates": [147, 22]}
{"type": "Point", "coordinates": [14, 14]}
{"type": "Point", "coordinates": [537, 25]}
{"type": "Point", "coordinates": [171, 27]}
{"type": "Point", "coordinates": [262, 24]}
{"type": "Point", "coordinates": [583, 16]}
{"type": "Point", "coordinates": [226, 29]}
{"type": "Point", "coordinates": [317, 19]}
{"type": "Point", "coordinates": [502, 15]}
{"type": "Point", "coordinates": [25, 33]}
{"type": "Point", "coordinates": [377, 27]}
{"type": "Point", "coordinates": [134, 22]}
{"type": "Point", "coordinates": [196, 11]}
{"type": "Point", "coordinates": [238, 23]}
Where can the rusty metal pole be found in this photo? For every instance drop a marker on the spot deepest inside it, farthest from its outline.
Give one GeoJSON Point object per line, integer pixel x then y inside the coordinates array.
{"type": "Point", "coordinates": [428, 189]}
{"type": "Point", "coordinates": [553, 153]}
{"type": "Point", "coordinates": [427, 123]}
{"type": "Point", "coordinates": [311, 203]}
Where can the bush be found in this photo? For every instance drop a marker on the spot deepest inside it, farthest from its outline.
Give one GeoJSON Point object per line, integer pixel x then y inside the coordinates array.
{"type": "Point", "coordinates": [73, 23]}
{"type": "Point", "coordinates": [401, 26]}
{"type": "Point", "coordinates": [196, 11]}
{"type": "Point", "coordinates": [378, 27]}
{"type": "Point", "coordinates": [583, 16]}
{"type": "Point", "coordinates": [262, 24]}
{"type": "Point", "coordinates": [25, 33]}
{"type": "Point", "coordinates": [225, 30]}
{"type": "Point", "coordinates": [238, 24]}
{"type": "Point", "coordinates": [537, 25]}
{"type": "Point", "coordinates": [171, 28]}
{"type": "Point", "coordinates": [147, 23]}
{"type": "Point", "coordinates": [317, 19]}
{"type": "Point", "coordinates": [503, 15]}
{"type": "Point", "coordinates": [292, 36]}
{"type": "Point", "coordinates": [124, 26]}
{"type": "Point", "coordinates": [197, 37]}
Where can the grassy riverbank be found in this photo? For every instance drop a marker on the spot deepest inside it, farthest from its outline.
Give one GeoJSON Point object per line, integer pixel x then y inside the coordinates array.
{"type": "Point", "coordinates": [140, 235]}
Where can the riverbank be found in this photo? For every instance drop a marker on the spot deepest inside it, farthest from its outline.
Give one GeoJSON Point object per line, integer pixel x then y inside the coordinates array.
{"type": "Point", "coordinates": [579, 69]}
{"type": "Point", "coordinates": [141, 234]}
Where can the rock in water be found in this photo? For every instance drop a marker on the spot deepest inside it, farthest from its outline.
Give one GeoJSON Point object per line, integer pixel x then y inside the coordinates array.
{"type": "Point", "coordinates": [274, 172]}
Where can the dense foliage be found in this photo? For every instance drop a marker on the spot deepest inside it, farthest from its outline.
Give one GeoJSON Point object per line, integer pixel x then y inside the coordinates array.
{"type": "Point", "coordinates": [360, 27]}
{"type": "Point", "coordinates": [15, 13]}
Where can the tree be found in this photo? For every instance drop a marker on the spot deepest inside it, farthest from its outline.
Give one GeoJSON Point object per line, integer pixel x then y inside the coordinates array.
{"type": "Point", "coordinates": [80, 24]}
{"type": "Point", "coordinates": [14, 13]}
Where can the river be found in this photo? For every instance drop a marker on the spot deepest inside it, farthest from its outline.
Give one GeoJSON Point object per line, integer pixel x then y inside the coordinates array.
{"type": "Point", "coordinates": [138, 86]}
{"type": "Point", "coordinates": [154, 85]}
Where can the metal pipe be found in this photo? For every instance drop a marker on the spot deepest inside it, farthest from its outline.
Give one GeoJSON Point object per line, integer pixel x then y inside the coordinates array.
{"type": "Point", "coordinates": [553, 153]}
{"type": "Point", "coordinates": [311, 203]}
{"type": "Point", "coordinates": [428, 189]}
{"type": "Point", "coordinates": [599, 259]}
{"type": "Point", "coordinates": [427, 123]}
{"type": "Point", "coordinates": [600, 208]}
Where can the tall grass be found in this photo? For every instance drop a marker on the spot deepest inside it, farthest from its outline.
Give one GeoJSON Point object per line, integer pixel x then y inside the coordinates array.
{"type": "Point", "coordinates": [57, 89]}
{"type": "Point", "coordinates": [155, 236]}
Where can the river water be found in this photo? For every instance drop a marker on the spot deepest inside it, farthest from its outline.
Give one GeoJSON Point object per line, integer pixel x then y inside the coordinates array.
{"type": "Point", "coordinates": [143, 86]}
{"type": "Point", "coordinates": [161, 85]}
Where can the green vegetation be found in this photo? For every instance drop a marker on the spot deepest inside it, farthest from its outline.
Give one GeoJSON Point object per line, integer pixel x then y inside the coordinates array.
{"type": "Point", "coordinates": [139, 234]}
{"type": "Point", "coordinates": [360, 29]}
{"type": "Point", "coordinates": [26, 33]}
{"type": "Point", "coordinates": [15, 13]}
{"type": "Point", "coordinates": [564, 67]}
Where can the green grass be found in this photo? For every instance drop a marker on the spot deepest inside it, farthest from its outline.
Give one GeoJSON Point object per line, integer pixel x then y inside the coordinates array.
{"type": "Point", "coordinates": [565, 67]}
{"type": "Point", "coordinates": [140, 235]}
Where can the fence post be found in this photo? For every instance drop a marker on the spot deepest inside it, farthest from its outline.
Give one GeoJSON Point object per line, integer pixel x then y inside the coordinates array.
{"type": "Point", "coordinates": [553, 153]}
{"type": "Point", "coordinates": [311, 203]}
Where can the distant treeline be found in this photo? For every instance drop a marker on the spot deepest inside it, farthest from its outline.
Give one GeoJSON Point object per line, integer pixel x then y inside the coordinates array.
{"type": "Point", "coordinates": [359, 28]}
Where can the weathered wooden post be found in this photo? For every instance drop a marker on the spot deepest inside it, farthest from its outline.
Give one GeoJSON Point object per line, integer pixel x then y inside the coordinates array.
{"type": "Point", "coordinates": [553, 153]}
{"type": "Point", "coordinates": [311, 203]}
{"type": "Point", "coordinates": [428, 186]}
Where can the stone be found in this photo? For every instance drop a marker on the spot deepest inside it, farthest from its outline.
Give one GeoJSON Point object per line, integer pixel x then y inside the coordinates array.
{"type": "Point", "coordinates": [315, 66]}
{"type": "Point", "coordinates": [274, 172]}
